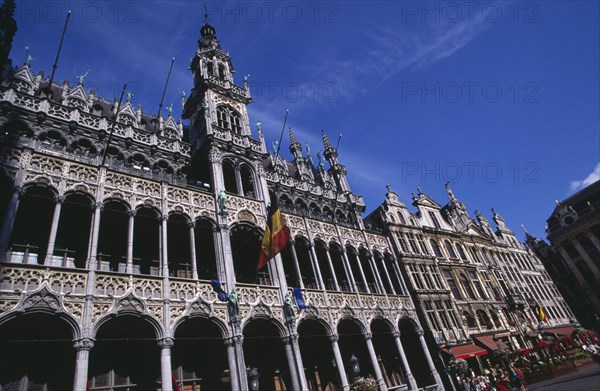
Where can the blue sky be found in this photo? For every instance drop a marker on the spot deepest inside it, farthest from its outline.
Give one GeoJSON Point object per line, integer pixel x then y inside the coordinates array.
{"type": "Point", "coordinates": [499, 98]}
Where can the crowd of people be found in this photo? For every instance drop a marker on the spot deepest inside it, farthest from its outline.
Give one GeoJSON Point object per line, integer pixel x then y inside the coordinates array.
{"type": "Point", "coordinates": [495, 379]}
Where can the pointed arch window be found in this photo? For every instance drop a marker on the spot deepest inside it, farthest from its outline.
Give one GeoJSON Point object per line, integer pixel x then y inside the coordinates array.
{"type": "Point", "coordinates": [228, 118]}
{"type": "Point", "coordinates": [450, 250]}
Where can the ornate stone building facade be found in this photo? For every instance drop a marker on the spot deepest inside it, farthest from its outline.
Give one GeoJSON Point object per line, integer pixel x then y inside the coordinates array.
{"type": "Point", "coordinates": [477, 289]}
{"type": "Point", "coordinates": [573, 256]}
{"type": "Point", "coordinates": [114, 221]}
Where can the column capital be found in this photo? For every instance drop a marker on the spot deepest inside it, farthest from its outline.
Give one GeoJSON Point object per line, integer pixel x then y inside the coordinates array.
{"type": "Point", "coordinates": [420, 333]}
{"type": "Point", "coordinates": [83, 344]}
{"type": "Point", "coordinates": [59, 199]}
{"type": "Point", "coordinates": [334, 338]}
{"type": "Point", "coordinates": [166, 343]}
{"type": "Point", "coordinates": [132, 212]}
{"type": "Point", "coordinates": [368, 336]}
{"type": "Point", "coordinates": [229, 341]}
{"type": "Point", "coordinates": [396, 334]}
{"type": "Point", "coordinates": [191, 224]}
{"type": "Point", "coordinates": [99, 205]}
{"type": "Point", "coordinates": [164, 217]}
{"type": "Point", "coordinates": [18, 190]}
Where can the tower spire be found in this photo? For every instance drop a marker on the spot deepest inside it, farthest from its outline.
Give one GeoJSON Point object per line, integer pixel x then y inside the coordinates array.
{"type": "Point", "coordinates": [295, 146]}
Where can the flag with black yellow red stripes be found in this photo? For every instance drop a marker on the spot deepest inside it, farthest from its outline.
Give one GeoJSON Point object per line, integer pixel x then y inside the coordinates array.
{"type": "Point", "coordinates": [277, 235]}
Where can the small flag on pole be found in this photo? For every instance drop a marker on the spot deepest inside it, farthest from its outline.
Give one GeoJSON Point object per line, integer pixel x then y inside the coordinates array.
{"type": "Point", "coordinates": [277, 235]}
{"type": "Point", "coordinates": [299, 299]}
{"type": "Point", "coordinates": [542, 314]}
{"type": "Point", "coordinates": [221, 294]}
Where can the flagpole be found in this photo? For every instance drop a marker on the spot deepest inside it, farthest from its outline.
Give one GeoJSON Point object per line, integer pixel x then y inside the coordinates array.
{"type": "Point", "coordinates": [162, 98]}
{"type": "Point", "coordinates": [112, 129]}
{"type": "Point", "coordinates": [276, 185]}
{"type": "Point", "coordinates": [337, 187]}
{"type": "Point", "coordinates": [62, 38]}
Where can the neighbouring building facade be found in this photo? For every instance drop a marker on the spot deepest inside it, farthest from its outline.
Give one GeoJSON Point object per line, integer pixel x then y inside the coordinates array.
{"type": "Point", "coordinates": [114, 222]}
{"type": "Point", "coordinates": [573, 256]}
{"type": "Point", "coordinates": [478, 289]}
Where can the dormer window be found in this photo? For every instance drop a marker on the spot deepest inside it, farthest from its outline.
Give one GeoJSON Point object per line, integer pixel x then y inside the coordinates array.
{"type": "Point", "coordinates": [434, 219]}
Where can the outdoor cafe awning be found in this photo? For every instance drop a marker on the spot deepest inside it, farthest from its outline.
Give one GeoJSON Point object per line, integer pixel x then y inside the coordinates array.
{"type": "Point", "coordinates": [466, 351]}
{"type": "Point", "coordinates": [567, 330]}
{"type": "Point", "coordinates": [488, 342]}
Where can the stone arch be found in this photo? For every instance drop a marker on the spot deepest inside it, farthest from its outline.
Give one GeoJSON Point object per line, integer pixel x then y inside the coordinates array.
{"type": "Point", "coordinates": [25, 364]}
{"type": "Point", "coordinates": [33, 222]}
{"type": "Point", "coordinates": [383, 338]}
{"type": "Point", "coordinates": [73, 230]}
{"type": "Point", "coordinates": [410, 337]}
{"type": "Point", "coordinates": [126, 348]}
{"type": "Point", "coordinates": [206, 258]}
{"type": "Point", "coordinates": [199, 354]}
{"type": "Point", "coordinates": [317, 354]}
{"type": "Point", "coordinates": [129, 305]}
{"type": "Point", "coordinates": [43, 301]}
{"type": "Point", "coordinates": [264, 353]}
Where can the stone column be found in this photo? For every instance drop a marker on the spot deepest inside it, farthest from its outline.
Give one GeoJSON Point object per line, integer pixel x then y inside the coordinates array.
{"type": "Point", "coordinates": [315, 263]}
{"type": "Point", "coordinates": [294, 370]}
{"type": "Point", "coordinates": [375, 270]}
{"type": "Point", "coordinates": [299, 363]}
{"type": "Point", "coordinates": [362, 273]}
{"type": "Point", "coordinates": [387, 275]}
{"type": "Point", "coordinates": [240, 362]}
{"type": "Point", "coordinates": [130, 241]}
{"type": "Point", "coordinates": [349, 269]}
{"type": "Point", "coordinates": [588, 260]}
{"type": "Point", "coordinates": [93, 250]}
{"type": "Point", "coordinates": [166, 379]}
{"type": "Point", "coordinates": [164, 254]}
{"type": "Point", "coordinates": [83, 347]}
{"type": "Point", "coordinates": [191, 226]}
{"type": "Point", "coordinates": [409, 376]}
{"type": "Point", "coordinates": [233, 371]}
{"type": "Point", "coordinates": [9, 221]}
{"type": "Point", "coordinates": [432, 370]}
{"type": "Point", "coordinates": [330, 263]}
{"type": "Point", "coordinates": [375, 362]}
{"type": "Point", "coordinates": [593, 239]}
{"type": "Point", "coordinates": [296, 264]}
{"type": "Point", "coordinates": [339, 363]}
{"type": "Point", "coordinates": [53, 229]}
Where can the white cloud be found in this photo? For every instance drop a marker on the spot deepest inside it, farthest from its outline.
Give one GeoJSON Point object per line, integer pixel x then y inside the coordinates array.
{"type": "Point", "coordinates": [588, 180]}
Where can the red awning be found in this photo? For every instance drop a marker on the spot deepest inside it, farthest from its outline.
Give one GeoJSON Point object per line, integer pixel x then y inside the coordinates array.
{"type": "Point", "coordinates": [488, 342]}
{"type": "Point", "coordinates": [560, 330]}
{"type": "Point", "coordinates": [466, 351]}
{"type": "Point", "coordinates": [522, 351]}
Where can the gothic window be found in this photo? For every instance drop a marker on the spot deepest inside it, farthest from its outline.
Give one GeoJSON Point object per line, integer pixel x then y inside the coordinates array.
{"type": "Point", "coordinates": [413, 244]}
{"type": "Point", "coordinates": [424, 249]}
{"type": "Point", "coordinates": [469, 319]}
{"type": "Point", "coordinates": [450, 249]}
{"type": "Point", "coordinates": [467, 286]}
{"type": "Point", "coordinates": [314, 209]}
{"type": "Point", "coordinates": [210, 67]}
{"type": "Point", "coordinates": [431, 315]}
{"type": "Point", "coordinates": [436, 249]}
{"type": "Point", "coordinates": [222, 117]}
{"type": "Point", "coordinates": [478, 285]}
{"type": "Point", "coordinates": [434, 219]}
{"type": "Point", "coordinates": [301, 207]}
{"type": "Point", "coordinates": [235, 121]}
{"type": "Point", "coordinates": [484, 319]}
{"type": "Point", "coordinates": [403, 242]}
{"type": "Point", "coordinates": [247, 181]}
{"type": "Point", "coordinates": [229, 177]}
{"type": "Point", "coordinates": [452, 285]}
{"type": "Point", "coordinates": [222, 71]}
{"type": "Point", "coordinates": [461, 252]}
{"type": "Point", "coordinates": [401, 218]}
{"type": "Point", "coordinates": [327, 212]}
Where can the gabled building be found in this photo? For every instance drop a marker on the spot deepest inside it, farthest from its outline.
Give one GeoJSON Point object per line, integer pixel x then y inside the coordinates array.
{"type": "Point", "coordinates": [572, 258]}
{"type": "Point", "coordinates": [477, 289]}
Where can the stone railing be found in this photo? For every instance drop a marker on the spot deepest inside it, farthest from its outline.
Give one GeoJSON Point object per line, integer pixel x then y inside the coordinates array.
{"type": "Point", "coordinates": [96, 123]}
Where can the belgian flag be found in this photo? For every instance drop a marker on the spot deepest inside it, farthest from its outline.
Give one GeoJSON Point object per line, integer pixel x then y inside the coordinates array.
{"type": "Point", "coordinates": [277, 235]}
